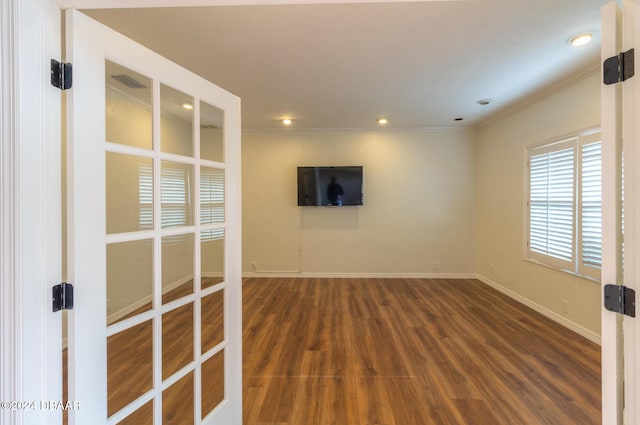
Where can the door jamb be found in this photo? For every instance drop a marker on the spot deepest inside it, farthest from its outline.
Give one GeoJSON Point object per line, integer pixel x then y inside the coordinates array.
{"type": "Point", "coordinates": [630, 114]}
{"type": "Point", "coordinates": [30, 220]}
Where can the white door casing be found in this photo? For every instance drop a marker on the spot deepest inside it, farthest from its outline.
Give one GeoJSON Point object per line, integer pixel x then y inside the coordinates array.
{"type": "Point", "coordinates": [619, 116]}
{"type": "Point", "coordinates": [89, 45]}
{"type": "Point", "coordinates": [30, 223]}
{"type": "Point", "coordinates": [612, 361]}
{"type": "Point", "coordinates": [630, 117]}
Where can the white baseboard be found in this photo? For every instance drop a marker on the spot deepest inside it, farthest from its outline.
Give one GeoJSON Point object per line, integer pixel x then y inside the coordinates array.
{"type": "Point", "coordinates": [320, 275]}
{"type": "Point", "coordinates": [580, 330]}
{"type": "Point", "coordinates": [146, 300]}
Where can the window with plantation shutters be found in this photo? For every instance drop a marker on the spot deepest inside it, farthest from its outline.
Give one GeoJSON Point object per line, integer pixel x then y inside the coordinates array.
{"type": "Point", "coordinates": [565, 204]}
{"type": "Point", "coordinates": [176, 191]}
{"type": "Point", "coordinates": [175, 187]}
{"type": "Point", "coordinates": [551, 203]}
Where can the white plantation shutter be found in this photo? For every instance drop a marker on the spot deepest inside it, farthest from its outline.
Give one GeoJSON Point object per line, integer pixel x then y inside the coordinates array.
{"type": "Point", "coordinates": [175, 196]}
{"type": "Point", "coordinates": [551, 203]}
{"type": "Point", "coordinates": [565, 204]}
{"type": "Point", "coordinates": [591, 231]}
{"type": "Point", "coordinates": [211, 196]}
{"type": "Point", "coordinates": [212, 201]}
{"type": "Point", "coordinates": [145, 190]}
{"type": "Point", "coordinates": [176, 189]}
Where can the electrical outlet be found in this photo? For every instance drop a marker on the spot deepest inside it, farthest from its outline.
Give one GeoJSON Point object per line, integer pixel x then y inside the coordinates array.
{"type": "Point", "coordinates": [253, 266]}
{"type": "Point", "coordinates": [565, 306]}
{"type": "Point", "coordinates": [435, 267]}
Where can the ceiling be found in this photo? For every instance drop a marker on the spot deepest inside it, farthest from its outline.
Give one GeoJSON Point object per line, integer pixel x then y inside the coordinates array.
{"type": "Point", "coordinates": [338, 66]}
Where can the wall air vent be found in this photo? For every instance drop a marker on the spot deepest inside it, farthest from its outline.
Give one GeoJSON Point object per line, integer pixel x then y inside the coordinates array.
{"type": "Point", "coordinates": [128, 81]}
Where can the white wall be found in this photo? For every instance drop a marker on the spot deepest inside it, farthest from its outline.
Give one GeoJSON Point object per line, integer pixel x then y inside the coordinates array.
{"type": "Point", "coordinates": [419, 203]}
{"type": "Point", "coordinates": [500, 208]}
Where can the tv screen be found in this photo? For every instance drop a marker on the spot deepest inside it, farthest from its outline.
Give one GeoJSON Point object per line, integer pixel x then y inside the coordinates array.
{"type": "Point", "coordinates": [329, 186]}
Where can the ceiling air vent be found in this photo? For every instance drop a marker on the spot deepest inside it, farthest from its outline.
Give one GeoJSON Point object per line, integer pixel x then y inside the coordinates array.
{"type": "Point", "coordinates": [128, 81]}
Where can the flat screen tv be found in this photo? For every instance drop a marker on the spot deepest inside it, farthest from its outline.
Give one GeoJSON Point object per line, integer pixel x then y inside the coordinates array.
{"type": "Point", "coordinates": [330, 186]}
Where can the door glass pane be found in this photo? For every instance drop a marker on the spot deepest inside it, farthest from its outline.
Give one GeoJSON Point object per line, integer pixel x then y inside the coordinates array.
{"type": "Point", "coordinates": [177, 402]}
{"type": "Point", "coordinates": [212, 383]}
{"type": "Point", "coordinates": [212, 257]}
{"type": "Point", "coordinates": [177, 267]}
{"type": "Point", "coordinates": [177, 188]}
{"type": "Point", "coordinates": [176, 126]}
{"type": "Point", "coordinates": [129, 193]}
{"type": "Point", "coordinates": [211, 195]}
{"type": "Point", "coordinates": [211, 133]}
{"type": "Point", "coordinates": [177, 339]}
{"type": "Point", "coordinates": [129, 279]}
{"type": "Point", "coordinates": [212, 320]}
{"type": "Point", "coordinates": [128, 107]}
{"type": "Point", "coordinates": [129, 365]}
{"type": "Point", "coordinates": [142, 416]}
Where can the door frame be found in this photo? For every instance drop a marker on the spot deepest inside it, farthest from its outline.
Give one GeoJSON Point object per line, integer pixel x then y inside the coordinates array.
{"type": "Point", "coordinates": [611, 272]}
{"type": "Point", "coordinates": [630, 115]}
{"type": "Point", "coordinates": [30, 210]}
{"type": "Point", "coordinates": [620, 339]}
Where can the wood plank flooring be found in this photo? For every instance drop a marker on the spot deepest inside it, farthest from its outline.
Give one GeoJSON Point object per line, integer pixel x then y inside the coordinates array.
{"type": "Point", "coordinates": [409, 352]}
{"type": "Point", "coordinates": [383, 352]}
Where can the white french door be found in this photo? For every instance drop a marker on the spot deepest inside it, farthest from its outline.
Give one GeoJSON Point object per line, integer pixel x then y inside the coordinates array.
{"type": "Point", "coordinates": [631, 150]}
{"type": "Point", "coordinates": [621, 215]}
{"type": "Point", "coordinates": [153, 235]}
{"type": "Point", "coordinates": [612, 361]}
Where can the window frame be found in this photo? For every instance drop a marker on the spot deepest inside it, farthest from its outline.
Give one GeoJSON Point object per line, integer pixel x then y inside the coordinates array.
{"type": "Point", "coordinates": [576, 265]}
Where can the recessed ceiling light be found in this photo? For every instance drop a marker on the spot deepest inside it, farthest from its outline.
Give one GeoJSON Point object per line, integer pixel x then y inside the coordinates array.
{"type": "Point", "coordinates": [580, 39]}
{"type": "Point", "coordinates": [287, 121]}
{"type": "Point", "coordinates": [382, 121]}
{"type": "Point", "coordinates": [484, 102]}
{"type": "Point", "coordinates": [187, 106]}
{"type": "Point", "coordinates": [458, 119]}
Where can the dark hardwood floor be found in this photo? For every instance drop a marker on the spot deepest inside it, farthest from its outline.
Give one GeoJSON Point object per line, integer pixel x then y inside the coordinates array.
{"type": "Point", "coordinates": [409, 352]}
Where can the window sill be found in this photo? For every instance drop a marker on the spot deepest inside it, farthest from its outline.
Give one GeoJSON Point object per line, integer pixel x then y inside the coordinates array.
{"type": "Point", "coordinates": [558, 269]}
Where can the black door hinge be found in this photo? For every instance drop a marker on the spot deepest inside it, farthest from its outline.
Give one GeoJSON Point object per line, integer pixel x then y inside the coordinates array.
{"type": "Point", "coordinates": [620, 299]}
{"type": "Point", "coordinates": [61, 75]}
{"type": "Point", "coordinates": [63, 297]}
{"type": "Point", "coordinates": [618, 68]}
